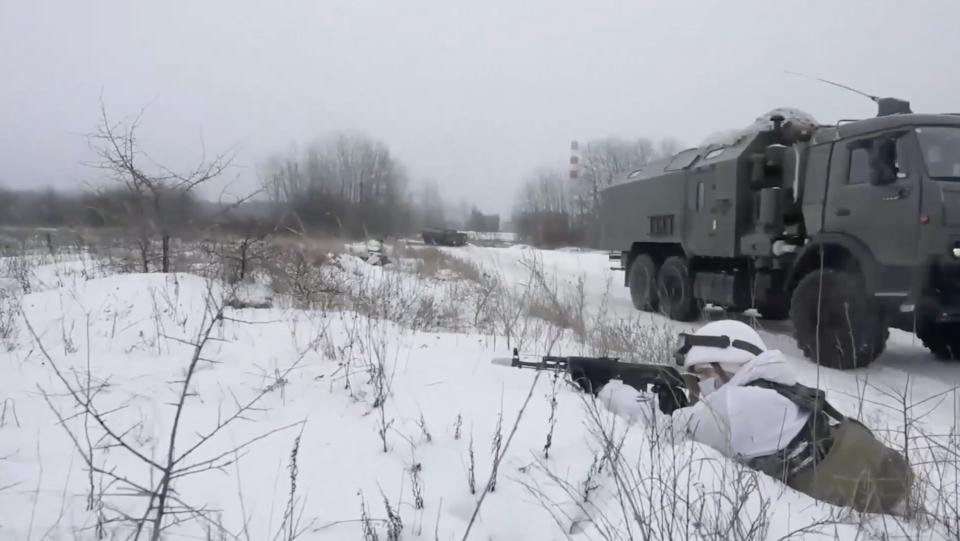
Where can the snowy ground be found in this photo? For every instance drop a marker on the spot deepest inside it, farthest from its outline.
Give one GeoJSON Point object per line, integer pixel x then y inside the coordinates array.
{"type": "Point", "coordinates": [381, 417]}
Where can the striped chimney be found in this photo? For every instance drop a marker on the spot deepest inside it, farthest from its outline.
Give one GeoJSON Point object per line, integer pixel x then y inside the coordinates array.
{"type": "Point", "coordinates": [575, 159]}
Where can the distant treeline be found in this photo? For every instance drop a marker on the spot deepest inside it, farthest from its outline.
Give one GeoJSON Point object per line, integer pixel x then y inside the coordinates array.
{"type": "Point", "coordinates": [56, 208]}
{"type": "Point", "coordinates": [316, 213]}
{"type": "Point", "coordinates": [351, 185]}
{"type": "Point", "coordinates": [117, 207]}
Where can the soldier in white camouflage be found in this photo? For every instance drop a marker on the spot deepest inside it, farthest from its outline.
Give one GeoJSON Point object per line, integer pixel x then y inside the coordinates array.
{"type": "Point", "coordinates": [752, 409]}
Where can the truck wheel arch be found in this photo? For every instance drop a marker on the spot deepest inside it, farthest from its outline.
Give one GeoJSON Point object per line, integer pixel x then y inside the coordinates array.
{"type": "Point", "coordinates": [836, 251]}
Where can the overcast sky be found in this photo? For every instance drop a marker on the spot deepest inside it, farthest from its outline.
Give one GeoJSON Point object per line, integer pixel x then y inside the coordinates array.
{"type": "Point", "coordinates": [474, 94]}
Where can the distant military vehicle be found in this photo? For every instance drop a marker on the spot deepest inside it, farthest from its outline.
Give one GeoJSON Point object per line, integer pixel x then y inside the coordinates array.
{"type": "Point", "coordinates": [444, 237]}
{"type": "Point", "coordinates": [846, 229]}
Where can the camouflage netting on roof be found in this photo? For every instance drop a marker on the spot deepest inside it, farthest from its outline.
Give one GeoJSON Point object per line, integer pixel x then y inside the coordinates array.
{"type": "Point", "coordinates": [795, 117]}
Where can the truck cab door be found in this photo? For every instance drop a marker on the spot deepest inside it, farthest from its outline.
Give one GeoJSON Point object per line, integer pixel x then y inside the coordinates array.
{"type": "Point", "coordinates": [874, 195]}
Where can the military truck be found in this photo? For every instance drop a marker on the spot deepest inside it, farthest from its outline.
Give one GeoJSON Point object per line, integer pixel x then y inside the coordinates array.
{"type": "Point", "coordinates": [444, 237]}
{"type": "Point", "coordinates": [845, 229]}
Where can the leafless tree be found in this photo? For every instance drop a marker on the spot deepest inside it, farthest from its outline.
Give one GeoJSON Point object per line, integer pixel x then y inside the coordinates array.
{"type": "Point", "coordinates": [346, 183]}
{"type": "Point", "coordinates": [157, 193]}
{"type": "Point", "coordinates": [543, 213]}
{"type": "Point", "coordinates": [431, 205]}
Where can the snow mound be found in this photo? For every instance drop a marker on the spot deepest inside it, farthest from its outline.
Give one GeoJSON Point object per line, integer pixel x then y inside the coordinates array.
{"type": "Point", "coordinates": [792, 116]}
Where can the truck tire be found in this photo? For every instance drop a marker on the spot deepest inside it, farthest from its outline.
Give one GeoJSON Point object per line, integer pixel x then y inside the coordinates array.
{"type": "Point", "coordinates": [643, 283]}
{"type": "Point", "coordinates": [942, 339]}
{"type": "Point", "coordinates": [852, 329]}
{"type": "Point", "coordinates": [675, 290]}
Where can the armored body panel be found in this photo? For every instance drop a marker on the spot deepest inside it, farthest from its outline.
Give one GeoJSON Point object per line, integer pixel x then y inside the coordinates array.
{"type": "Point", "coordinates": [649, 207]}
{"type": "Point", "coordinates": [700, 198]}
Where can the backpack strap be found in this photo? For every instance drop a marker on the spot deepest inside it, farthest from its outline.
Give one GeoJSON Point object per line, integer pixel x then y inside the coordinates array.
{"type": "Point", "coordinates": [806, 398]}
{"type": "Point", "coordinates": [812, 442]}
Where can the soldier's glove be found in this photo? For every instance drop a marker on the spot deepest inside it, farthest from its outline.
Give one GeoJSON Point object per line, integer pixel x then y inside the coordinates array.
{"type": "Point", "coordinates": [591, 379]}
{"type": "Point", "coordinates": [669, 399]}
{"type": "Point", "coordinates": [589, 383]}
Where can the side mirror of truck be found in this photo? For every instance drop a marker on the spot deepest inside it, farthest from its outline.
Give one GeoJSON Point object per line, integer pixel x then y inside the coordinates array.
{"type": "Point", "coordinates": [883, 162]}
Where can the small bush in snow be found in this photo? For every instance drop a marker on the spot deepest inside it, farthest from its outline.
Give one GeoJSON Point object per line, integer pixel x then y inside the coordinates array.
{"type": "Point", "coordinates": [431, 262]}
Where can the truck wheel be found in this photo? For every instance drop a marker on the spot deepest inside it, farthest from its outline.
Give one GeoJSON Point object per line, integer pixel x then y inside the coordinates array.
{"type": "Point", "coordinates": [942, 339]}
{"type": "Point", "coordinates": [643, 283]}
{"type": "Point", "coordinates": [675, 290]}
{"type": "Point", "coordinates": [851, 328]}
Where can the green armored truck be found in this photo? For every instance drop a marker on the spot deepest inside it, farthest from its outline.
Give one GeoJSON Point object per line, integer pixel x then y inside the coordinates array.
{"type": "Point", "coordinates": [847, 230]}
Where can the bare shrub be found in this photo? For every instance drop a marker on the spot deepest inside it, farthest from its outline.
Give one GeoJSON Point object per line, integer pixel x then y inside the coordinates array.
{"type": "Point", "coordinates": [20, 268]}
{"type": "Point", "coordinates": [637, 339]}
{"type": "Point", "coordinates": [500, 308]}
{"type": "Point", "coordinates": [366, 523]}
{"type": "Point", "coordinates": [386, 296]}
{"type": "Point", "coordinates": [563, 309]}
{"type": "Point", "coordinates": [556, 314]}
{"type": "Point", "coordinates": [432, 262]}
{"type": "Point", "coordinates": [305, 270]}
{"type": "Point", "coordinates": [242, 256]}
{"type": "Point", "coordinates": [96, 439]}
{"type": "Point", "coordinates": [290, 528]}
{"type": "Point", "coordinates": [472, 469]}
{"type": "Point", "coordinates": [510, 308]}
{"type": "Point", "coordinates": [416, 486]}
{"type": "Point", "coordinates": [552, 421]}
{"type": "Point", "coordinates": [394, 522]}
{"type": "Point", "coordinates": [9, 307]}
{"type": "Point", "coordinates": [496, 443]}
{"type": "Point", "coordinates": [378, 358]}
{"type": "Point", "coordinates": [422, 423]}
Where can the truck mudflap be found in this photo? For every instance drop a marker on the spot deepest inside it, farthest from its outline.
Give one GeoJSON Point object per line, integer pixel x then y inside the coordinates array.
{"type": "Point", "coordinates": [936, 292]}
{"type": "Point", "coordinates": [616, 261]}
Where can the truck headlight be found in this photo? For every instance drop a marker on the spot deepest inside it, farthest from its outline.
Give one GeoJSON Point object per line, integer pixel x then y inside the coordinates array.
{"type": "Point", "coordinates": [956, 252]}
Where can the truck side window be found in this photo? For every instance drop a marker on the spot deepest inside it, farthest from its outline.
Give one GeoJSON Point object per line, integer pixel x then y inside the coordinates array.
{"type": "Point", "coordinates": [884, 152]}
{"type": "Point", "coordinates": [859, 171]}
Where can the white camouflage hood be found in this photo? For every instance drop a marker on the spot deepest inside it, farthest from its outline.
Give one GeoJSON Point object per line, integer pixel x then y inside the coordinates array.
{"type": "Point", "coordinates": [770, 365]}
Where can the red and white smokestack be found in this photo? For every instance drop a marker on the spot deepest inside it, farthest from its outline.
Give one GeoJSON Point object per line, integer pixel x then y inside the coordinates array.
{"type": "Point", "coordinates": [575, 159]}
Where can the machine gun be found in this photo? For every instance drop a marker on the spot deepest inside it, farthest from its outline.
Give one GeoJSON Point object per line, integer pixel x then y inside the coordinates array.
{"type": "Point", "coordinates": [592, 373]}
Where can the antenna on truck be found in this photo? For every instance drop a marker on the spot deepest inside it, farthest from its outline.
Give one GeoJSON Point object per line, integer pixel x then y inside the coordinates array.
{"type": "Point", "coordinates": [845, 87]}
{"type": "Point", "coordinates": [885, 106]}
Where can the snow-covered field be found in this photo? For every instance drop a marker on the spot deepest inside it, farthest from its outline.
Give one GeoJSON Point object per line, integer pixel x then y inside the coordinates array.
{"type": "Point", "coordinates": [376, 413]}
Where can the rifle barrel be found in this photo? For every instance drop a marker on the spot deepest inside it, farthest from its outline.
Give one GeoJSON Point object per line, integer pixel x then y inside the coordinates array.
{"type": "Point", "coordinates": [546, 362]}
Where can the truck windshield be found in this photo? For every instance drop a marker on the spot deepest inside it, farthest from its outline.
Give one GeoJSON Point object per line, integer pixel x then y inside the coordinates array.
{"type": "Point", "coordinates": [941, 151]}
